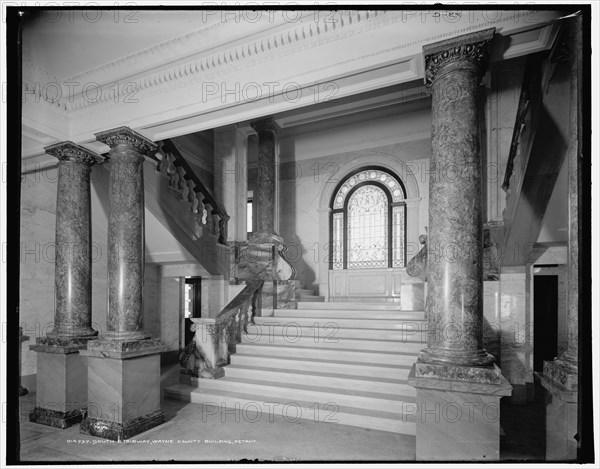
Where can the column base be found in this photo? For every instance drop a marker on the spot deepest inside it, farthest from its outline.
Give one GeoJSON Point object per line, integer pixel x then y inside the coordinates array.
{"type": "Point", "coordinates": [73, 334]}
{"type": "Point", "coordinates": [55, 418]}
{"type": "Point", "coordinates": [61, 383]}
{"type": "Point", "coordinates": [444, 357]}
{"type": "Point", "coordinates": [107, 347]}
{"type": "Point", "coordinates": [458, 419]}
{"type": "Point", "coordinates": [125, 336]}
{"type": "Point", "coordinates": [266, 238]}
{"type": "Point", "coordinates": [115, 431]}
{"type": "Point", "coordinates": [123, 388]}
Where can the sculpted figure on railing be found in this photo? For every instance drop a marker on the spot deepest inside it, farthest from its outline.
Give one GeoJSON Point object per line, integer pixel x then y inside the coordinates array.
{"type": "Point", "coordinates": [417, 266]}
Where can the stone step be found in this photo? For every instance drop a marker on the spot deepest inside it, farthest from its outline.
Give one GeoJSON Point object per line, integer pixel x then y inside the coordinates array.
{"type": "Point", "coordinates": [392, 346]}
{"type": "Point", "coordinates": [325, 325]}
{"type": "Point", "coordinates": [396, 403]}
{"type": "Point", "coordinates": [254, 408]}
{"type": "Point", "coordinates": [333, 333]}
{"type": "Point", "coordinates": [311, 299]}
{"type": "Point", "coordinates": [332, 380]}
{"type": "Point", "coordinates": [372, 370]}
{"type": "Point", "coordinates": [351, 306]}
{"type": "Point", "coordinates": [326, 355]}
{"type": "Point", "coordinates": [349, 313]}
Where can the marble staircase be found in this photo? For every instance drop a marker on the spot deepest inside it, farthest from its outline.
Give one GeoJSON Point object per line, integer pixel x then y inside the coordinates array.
{"type": "Point", "coordinates": [326, 362]}
{"type": "Point", "coordinates": [308, 295]}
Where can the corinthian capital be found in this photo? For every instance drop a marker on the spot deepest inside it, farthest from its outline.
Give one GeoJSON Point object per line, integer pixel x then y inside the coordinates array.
{"type": "Point", "coordinates": [472, 48]}
{"type": "Point", "coordinates": [69, 151]}
{"type": "Point", "coordinates": [266, 125]}
{"type": "Point", "coordinates": [128, 138]}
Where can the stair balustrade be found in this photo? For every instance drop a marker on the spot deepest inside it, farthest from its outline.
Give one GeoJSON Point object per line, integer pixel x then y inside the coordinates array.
{"type": "Point", "coordinates": [190, 189]}
{"type": "Point", "coordinates": [216, 338]}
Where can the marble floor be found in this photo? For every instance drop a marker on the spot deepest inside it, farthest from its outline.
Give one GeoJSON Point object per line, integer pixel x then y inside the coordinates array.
{"type": "Point", "coordinates": [193, 433]}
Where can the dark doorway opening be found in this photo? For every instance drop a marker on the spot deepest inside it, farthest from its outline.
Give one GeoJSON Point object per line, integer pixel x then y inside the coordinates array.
{"type": "Point", "coordinates": [545, 319]}
{"type": "Point", "coordinates": [193, 291]}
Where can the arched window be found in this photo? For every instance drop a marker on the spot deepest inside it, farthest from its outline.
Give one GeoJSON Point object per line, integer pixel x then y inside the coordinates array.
{"type": "Point", "coordinates": [368, 221]}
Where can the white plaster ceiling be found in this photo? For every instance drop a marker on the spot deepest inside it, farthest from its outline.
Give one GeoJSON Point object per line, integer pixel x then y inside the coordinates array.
{"type": "Point", "coordinates": [67, 43]}
{"type": "Point", "coordinates": [169, 55]}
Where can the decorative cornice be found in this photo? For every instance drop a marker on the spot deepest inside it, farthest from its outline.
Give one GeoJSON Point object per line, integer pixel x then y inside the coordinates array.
{"type": "Point", "coordinates": [127, 137]}
{"type": "Point", "coordinates": [266, 125]}
{"type": "Point", "coordinates": [473, 48]}
{"type": "Point", "coordinates": [69, 151]}
{"type": "Point", "coordinates": [179, 63]}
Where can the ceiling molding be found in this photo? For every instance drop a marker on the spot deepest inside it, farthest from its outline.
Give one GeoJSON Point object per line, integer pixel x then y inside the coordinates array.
{"type": "Point", "coordinates": [165, 79]}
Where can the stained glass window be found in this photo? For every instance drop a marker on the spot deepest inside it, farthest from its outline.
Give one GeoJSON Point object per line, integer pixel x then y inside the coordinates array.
{"type": "Point", "coordinates": [368, 228]}
{"type": "Point", "coordinates": [368, 221]}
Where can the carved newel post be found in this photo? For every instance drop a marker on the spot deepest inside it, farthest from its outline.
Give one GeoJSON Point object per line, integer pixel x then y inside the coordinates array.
{"type": "Point", "coordinates": [124, 363]}
{"type": "Point", "coordinates": [61, 371]}
{"type": "Point", "coordinates": [454, 370]}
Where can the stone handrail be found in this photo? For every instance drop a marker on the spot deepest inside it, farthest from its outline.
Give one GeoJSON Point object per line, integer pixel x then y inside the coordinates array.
{"type": "Point", "coordinates": [183, 180]}
{"type": "Point", "coordinates": [216, 338]}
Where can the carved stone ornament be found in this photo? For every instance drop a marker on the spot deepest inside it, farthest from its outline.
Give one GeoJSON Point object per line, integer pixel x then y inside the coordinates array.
{"type": "Point", "coordinates": [127, 137]}
{"type": "Point", "coordinates": [266, 125]}
{"type": "Point", "coordinates": [69, 151]}
{"type": "Point", "coordinates": [474, 48]}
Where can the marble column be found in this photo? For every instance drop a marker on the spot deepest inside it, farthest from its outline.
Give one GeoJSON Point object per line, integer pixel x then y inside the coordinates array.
{"type": "Point", "coordinates": [264, 254]}
{"type": "Point", "coordinates": [61, 370]}
{"type": "Point", "coordinates": [124, 362]}
{"type": "Point", "coordinates": [454, 370]}
{"type": "Point", "coordinates": [267, 130]}
{"type": "Point", "coordinates": [126, 233]}
{"type": "Point", "coordinates": [560, 376]}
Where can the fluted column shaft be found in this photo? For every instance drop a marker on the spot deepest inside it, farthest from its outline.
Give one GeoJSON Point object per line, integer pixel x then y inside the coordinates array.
{"type": "Point", "coordinates": [73, 265]}
{"type": "Point", "coordinates": [126, 232]}
{"type": "Point", "coordinates": [455, 247]}
{"type": "Point", "coordinates": [267, 130]}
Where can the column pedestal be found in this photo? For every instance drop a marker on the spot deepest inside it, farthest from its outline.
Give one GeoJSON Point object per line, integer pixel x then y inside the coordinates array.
{"type": "Point", "coordinates": [458, 420]}
{"type": "Point", "coordinates": [561, 420]}
{"type": "Point", "coordinates": [123, 388]}
{"type": "Point", "coordinates": [61, 382]}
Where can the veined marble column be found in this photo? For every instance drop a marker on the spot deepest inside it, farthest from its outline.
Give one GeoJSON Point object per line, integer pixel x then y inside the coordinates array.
{"type": "Point", "coordinates": [267, 130]}
{"type": "Point", "coordinates": [124, 363]}
{"type": "Point", "coordinates": [61, 370]}
{"type": "Point", "coordinates": [126, 232]}
{"type": "Point", "coordinates": [455, 247]}
{"type": "Point", "coordinates": [454, 371]}
{"type": "Point", "coordinates": [264, 254]}
{"type": "Point", "coordinates": [73, 264]}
